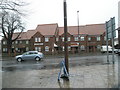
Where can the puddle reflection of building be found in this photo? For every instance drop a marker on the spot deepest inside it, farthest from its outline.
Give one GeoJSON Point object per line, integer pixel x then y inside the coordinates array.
{"type": "Point", "coordinates": [64, 84]}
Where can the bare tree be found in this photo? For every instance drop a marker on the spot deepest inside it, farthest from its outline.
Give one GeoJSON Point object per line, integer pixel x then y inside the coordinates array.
{"type": "Point", "coordinates": [9, 24]}
{"type": "Point", "coordinates": [12, 5]}
{"type": "Point", "coordinates": [10, 16]}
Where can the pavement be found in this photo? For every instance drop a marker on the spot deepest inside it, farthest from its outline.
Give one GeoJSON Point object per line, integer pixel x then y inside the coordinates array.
{"type": "Point", "coordinates": [93, 76]}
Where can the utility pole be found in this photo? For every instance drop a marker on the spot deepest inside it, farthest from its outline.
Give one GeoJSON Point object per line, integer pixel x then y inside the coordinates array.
{"type": "Point", "coordinates": [78, 32]}
{"type": "Point", "coordinates": [65, 36]}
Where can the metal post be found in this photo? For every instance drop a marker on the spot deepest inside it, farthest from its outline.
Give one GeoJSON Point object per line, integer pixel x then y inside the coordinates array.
{"type": "Point", "coordinates": [112, 33]}
{"type": "Point", "coordinates": [78, 32]}
{"type": "Point", "coordinates": [65, 36]}
{"type": "Point", "coordinates": [107, 43]}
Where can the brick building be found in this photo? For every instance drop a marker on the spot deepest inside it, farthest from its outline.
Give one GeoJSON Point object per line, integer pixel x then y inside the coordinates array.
{"type": "Point", "coordinates": [49, 39]}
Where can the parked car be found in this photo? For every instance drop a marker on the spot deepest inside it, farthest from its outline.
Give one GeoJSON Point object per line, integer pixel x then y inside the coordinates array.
{"type": "Point", "coordinates": [30, 55]}
{"type": "Point", "coordinates": [118, 51]}
{"type": "Point", "coordinates": [104, 49]}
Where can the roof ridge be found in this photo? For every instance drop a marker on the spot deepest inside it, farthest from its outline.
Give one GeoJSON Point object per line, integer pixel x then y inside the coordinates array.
{"type": "Point", "coordinates": [47, 24]}
{"type": "Point", "coordinates": [94, 24]}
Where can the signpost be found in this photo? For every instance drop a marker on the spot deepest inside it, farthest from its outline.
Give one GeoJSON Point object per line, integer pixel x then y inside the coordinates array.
{"type": "Point", "coordinates": [65, 36]}
{"type": "Point", "coordinates": [110, 34]}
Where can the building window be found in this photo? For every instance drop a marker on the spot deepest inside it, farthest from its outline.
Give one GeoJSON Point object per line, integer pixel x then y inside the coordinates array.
{"type": "Point", "coordinates": [98, 47]}
{"type": "Point", "coordinates": [98, 38]}
{"type": "Point", "coordinates": [57, 39]}
{"type": "Point", "coordinates": [37, 39]}
{"type": "Point", "coordinates": [104, 38]}
{"type": "Point", "coordinates": [27, 48]}
{"type": "Point", "coordinates": [63, 39]}
{"type": "Point", "coordinates": [82, 38]}
{"type": "Point", "coordinates": [69, 39]}
{"type": "Point", "coordinates": [82, 47]}
{"type": "Point", "coordinates": [46, 48]}
{"type": "Point", "coordinates": [89, 38]}
{"type": "Point", "coordinates": [76, 38]}
{"type": "Point", "coordinates": [4, 49]}
{"type": "Point", "coordinates": [20, 41]}
{"type": "Point", "coordinates": [69, 48]}
{"type": "Point", "coordinates": [63, 48]}
{"type": "Point", "coordinates": [46, 39]}
{"type": "Point", "coordinates": [4, 42]}
{"type": "Point", "coordinates": [37, 48]}
{"type": "Point", "coordinates": [27, 42]}
{"type": "Point", "coordinates": [16, 42]}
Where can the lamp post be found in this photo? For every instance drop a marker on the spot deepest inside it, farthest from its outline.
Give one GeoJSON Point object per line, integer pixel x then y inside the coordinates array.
{"type": "Point", "coordinates": [78, 32]}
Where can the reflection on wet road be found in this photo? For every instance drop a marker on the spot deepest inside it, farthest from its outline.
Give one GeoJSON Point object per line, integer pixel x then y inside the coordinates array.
{"type": "Point", "coordinates": [33, 75]}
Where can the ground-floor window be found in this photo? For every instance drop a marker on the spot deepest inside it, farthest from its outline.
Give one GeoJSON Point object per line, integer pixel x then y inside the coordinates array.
{"type": "Point", "coordinates": [4, 49]}
{"type": "Point", "coordinates": [82, 47]}
{"type": "Point", "coordinates": [46, 48]}
{"type": "Point", "coordinates": [27, 48]}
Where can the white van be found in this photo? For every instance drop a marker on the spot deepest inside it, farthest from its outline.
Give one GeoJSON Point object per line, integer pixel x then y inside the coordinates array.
{"type": "Point", "coordinates": [104, 49]}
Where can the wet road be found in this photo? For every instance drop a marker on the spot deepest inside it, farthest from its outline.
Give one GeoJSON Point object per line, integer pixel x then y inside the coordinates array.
{"type": "Point", "coordinates": [49, 63]}
{"type": "Point", "coordinates": [85, 72]}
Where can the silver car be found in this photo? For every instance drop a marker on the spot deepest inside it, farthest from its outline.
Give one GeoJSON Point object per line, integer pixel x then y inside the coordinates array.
{"type": "Point", "coordinates": [30, 55]}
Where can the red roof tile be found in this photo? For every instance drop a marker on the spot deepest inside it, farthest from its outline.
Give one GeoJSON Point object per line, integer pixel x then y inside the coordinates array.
{"type": "Point", "coordinates": [94, 29]}
{"type": "Point", "coordinates": [47, 29]}
{"type": "Point", "coordinates": [25, 35]}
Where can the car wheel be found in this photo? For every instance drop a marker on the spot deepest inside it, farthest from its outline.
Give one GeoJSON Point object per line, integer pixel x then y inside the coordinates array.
{"type": "Point", "coordinates": [37, 58]}
{"type": "Point", "coordinates": [19, 59]}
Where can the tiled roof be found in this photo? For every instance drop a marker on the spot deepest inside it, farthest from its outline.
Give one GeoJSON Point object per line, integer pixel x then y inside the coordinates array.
{"type": "Point", "coordinates": [44, 29]}
{"type": "Point", "coordinates": [47, 29]}
{"type": "Point", "coordinates": [24, 35]}
{"type": "Point", "coordinates": [93, 29]}
{"type": "Point", "coordinates": [50, 29]}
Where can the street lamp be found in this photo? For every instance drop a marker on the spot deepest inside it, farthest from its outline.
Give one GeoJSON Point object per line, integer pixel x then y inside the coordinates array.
{"type": "Point", "coordinates": [78, 32]}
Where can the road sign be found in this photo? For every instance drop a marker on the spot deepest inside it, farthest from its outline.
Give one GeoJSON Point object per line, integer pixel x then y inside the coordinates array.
{"type": "Point", "coordinates": [110, 28]}
{"type": "Point", "coordinates": [110, 34]}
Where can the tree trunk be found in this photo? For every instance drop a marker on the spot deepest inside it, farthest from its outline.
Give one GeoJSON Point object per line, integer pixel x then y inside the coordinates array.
{"type": "Point", "coordinates": [9, 46]}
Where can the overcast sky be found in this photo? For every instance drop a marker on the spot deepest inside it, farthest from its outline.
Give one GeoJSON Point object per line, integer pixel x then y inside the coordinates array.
{"type": "Point", "coordinates": [51, 11]}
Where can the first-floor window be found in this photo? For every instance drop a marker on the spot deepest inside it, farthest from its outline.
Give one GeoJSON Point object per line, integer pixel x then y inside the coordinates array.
{"type": "Point", "coordinates": [68, 38]}
{"type": "Point", "coordinates": [89, 38]}
{"type": "Point", "coordinates": [37, 48]}
{"type": "Point", "coordinates": [4, 49]}
{"type": "Point", "coordinates": [46, 48]}
{"type": "Point", "coordinates": [98, 38]}
{"type": "Point", "coordinates": [27, 42]}
{"type": "Point", "coordinates": [82, 38]}
{"type": "Point", "coordinates": [37, 39]}
{"type": "Point", "coordinates": [76, 38]}
{"type": "Point", "coordinates": [46, 39]}
{"type": "Point", "coordinates": [16, 42]}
